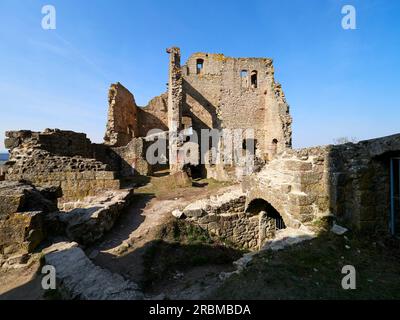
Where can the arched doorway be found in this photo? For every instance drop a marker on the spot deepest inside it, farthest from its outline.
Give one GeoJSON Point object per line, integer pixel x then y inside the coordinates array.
{"type": "Point", "coordinates": [270, 219]}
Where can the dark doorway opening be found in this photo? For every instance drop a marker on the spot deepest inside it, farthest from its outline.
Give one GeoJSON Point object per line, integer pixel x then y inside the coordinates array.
{"type": "Point", "coordinates": [260, 205]}
{"type": "Point", "coordinates": [194, 171]}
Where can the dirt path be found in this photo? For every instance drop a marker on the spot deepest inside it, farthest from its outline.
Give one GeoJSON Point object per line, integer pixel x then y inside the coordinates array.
{"type": "Point", "coordinates": [122, 249]}
{"type": "Point", "coordinates": [21, 284]}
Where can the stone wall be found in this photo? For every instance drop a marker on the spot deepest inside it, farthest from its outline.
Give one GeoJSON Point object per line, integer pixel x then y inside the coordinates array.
{"type": "Point", "coordinates": [211, 91]}
{"type": "Point", "coordinates": [222, 95]}
{"type": "Point", "coordinates": [224, 217]}
{"type": "Point", "coordinates": [175, 104]}
{"type": "Point", "coordinates": [61, 159]}
{"type": "Point", "coordinates": [294, 184]}
{"type": "Point", "coordinates": [360, 182]}
{"type": "Point", "coordinates": [133, 158]}
{"type": "Point", "coordinates": [59, 142]}
{"type": "Point", "coordinates": [154, 115]}
{"type": "Point", "coordinates": [348, 182]}
{"type": "Point", "coordinates": [122, 123]}
{"type": "Point", "coordinates": [22, 210]}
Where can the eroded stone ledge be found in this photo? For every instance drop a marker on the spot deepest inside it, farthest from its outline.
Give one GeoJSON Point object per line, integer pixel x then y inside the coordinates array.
{"type": "Point", "coordinates": [78, 278]}
{"type": "Point", "coordinates": [88, 220]}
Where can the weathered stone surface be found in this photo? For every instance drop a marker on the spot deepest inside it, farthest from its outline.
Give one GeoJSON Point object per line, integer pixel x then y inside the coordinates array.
{"type": "Point", "coordinates": [92, 218]}
{"type": "Point", "coordinates": [238, 93]}
{"type": "Point", "coordinates": [122, 123]}
{"type": "Point", "coordinates": [178, 214]}
{"type": "Point", "coordinates": [288, 237]}
{"type": "Point", "coordinates": [22, 209]}
{"type": "Point", "coordinates": [232, 200]}
{"type": "Point", "coordinates": [154, 115]}
{"type": "Point", "coordinates": [349, 182]}
{"type": "Point", "coordinates": [21, 197]}
{"type": "Point", "coordinates": [224, 217]}
{"type": "Point", "coordinates": [133, 156]}
{"type": "Point", "coordinates": [62, 159]}
{"type": "Point", "coordinates": [78, 278]}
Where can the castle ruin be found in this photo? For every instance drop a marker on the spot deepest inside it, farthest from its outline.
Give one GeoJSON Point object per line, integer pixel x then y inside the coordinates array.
{"type": "Point", "coordinates": [352, 184]}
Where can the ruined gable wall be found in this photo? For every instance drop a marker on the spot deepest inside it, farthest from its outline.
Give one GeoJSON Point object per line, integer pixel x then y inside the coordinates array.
{"type": "Point", "coordinates": [122, 124]}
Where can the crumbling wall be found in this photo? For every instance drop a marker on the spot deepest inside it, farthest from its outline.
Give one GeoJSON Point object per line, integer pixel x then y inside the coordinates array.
{"type": "Point", "coordinates": [360, 182]}
{"type": "Point", "coordinates": [133, 158]}
{"type": "Point", "coordinates": [122, 123]}
{"type": "Point", "coordinates": [58, 158]}
{"type": "Point", "coordinates": [22, 210]}
{"type": "Point", "coordinates": [348, 182]}
{"type": "Point", "coordinates": [154, 115]}
{"type": "Point", "coordinates": [62, 143]}
{"type": "Point", "coordinates": [225, 218]}
{"type": "Point", "coordinates": [223, 93]}
{"type": "Point", "coordinates": [211, 91]}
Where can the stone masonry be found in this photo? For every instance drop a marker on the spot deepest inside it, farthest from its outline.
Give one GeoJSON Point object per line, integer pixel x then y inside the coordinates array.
{"type": "Point", "coordinates": [349, 183]}
{"type": "Point", "coordinates": [211, 91]}
{"type": "Point", "coordinates": [60, 159]}
{"type": "Point", "coordinates": [224, 217]}
{"type": "Point", "coordinates": [122, 123]}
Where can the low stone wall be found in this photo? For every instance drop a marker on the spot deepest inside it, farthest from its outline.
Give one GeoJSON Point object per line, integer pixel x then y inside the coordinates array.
{"type": "Point", "coordinates": [22, 211]}
{"type": "Point", "coordinates": [238, 229]}
{"type": "Point", "coordinates": [29, 215]}
{"type": "Point", "coordinates": [224, 218]}
{"type": "Point", "coordinates": [55, 141]}
{"type": "Point", "coordinates": [75, 185]}
{"type": "Point", "coordinates": [87, 221]}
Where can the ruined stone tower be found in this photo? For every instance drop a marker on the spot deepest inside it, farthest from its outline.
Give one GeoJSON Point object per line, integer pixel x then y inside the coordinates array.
{"type": "Point", "coordinates": [210, 91]}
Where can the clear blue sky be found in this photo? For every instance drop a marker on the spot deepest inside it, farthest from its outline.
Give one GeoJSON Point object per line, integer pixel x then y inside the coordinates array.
{"type": "Point", "coordinates": [337, 82]}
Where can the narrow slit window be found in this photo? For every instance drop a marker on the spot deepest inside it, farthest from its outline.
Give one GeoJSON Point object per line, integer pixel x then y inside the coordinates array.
{"type": "Point", "coordinates": [199, 65]}
{"type": "Point", "coordinates": [244, 77]}
{"type": "Point", "coordinates": [253, 79]}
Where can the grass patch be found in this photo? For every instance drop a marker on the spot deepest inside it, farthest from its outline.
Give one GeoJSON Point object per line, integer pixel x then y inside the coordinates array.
{"type": "Point", "coordinates": [312, 270]}
{"type": "Point", "coordinates": [182, 246]}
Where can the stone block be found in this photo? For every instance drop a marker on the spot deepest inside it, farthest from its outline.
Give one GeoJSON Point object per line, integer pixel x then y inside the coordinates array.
{"type": "Point", "coordinates": [295, 165]}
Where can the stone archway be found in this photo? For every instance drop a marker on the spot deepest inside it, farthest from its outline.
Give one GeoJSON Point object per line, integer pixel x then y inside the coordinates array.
{"type": "Point", "coordinates": [270, 220]}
